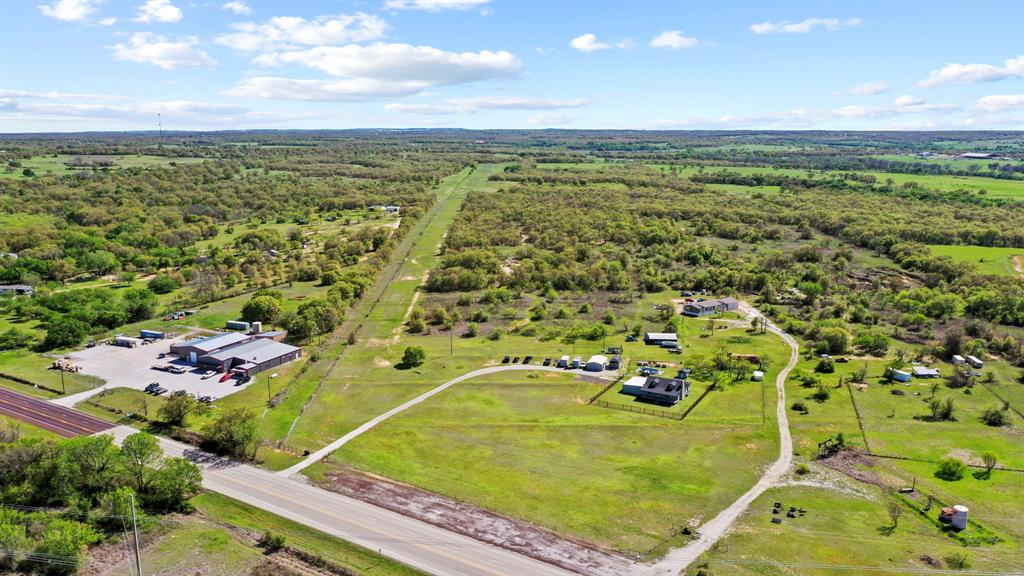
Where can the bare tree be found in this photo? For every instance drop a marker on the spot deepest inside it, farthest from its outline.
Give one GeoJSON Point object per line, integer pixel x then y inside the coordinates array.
{"type": "Point", "coordinates": [895, 511]}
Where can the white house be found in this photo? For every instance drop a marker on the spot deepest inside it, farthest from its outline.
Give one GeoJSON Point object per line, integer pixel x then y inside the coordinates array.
{"type": "Point", "coordinates": [975, 362]}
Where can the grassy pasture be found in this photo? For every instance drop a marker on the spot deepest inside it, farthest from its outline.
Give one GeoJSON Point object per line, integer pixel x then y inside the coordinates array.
{"type": "Point", "coordinates": [844, 532]}
{"type": "Point", "coordinates": [34, 367]}
{"type": "Point", "coordinates": [990, 260]}
{"type": "Point", "coordinates": [57, 165]}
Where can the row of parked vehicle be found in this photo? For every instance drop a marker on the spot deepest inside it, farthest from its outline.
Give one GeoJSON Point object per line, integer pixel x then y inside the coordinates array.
{"type": "Point", "coordinates": [156, 389]}
{"type": "Point", "coordinates": [526, 360]}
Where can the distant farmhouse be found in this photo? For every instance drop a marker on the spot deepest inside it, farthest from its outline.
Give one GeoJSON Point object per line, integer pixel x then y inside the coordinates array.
{"type": "Point", "coordinates": [706, 307]}
{"type": "Point", "coordinates": [668, 391]}
{"type": "Point", "coordinates": [977, 156]}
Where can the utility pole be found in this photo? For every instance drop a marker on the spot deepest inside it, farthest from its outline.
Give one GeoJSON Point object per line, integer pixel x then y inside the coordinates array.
{"type": "Point", "coordinates": [135, 529]}
{"type": "Point", "coordinates": [160, 127]}
{"type": "Point", "coordinates": [762, 402]}
{"type": "Point", "coordinates": [63, 390]}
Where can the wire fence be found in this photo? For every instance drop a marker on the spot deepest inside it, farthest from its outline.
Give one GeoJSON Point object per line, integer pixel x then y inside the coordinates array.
{"type": "Point", "coordinates": [640, 409]}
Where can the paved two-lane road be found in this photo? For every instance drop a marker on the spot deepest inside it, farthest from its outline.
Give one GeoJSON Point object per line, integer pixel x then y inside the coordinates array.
{"type": "Point", "coordinates": [50, 416]}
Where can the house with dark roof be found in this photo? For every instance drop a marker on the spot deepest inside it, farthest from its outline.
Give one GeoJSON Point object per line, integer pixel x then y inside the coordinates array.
{"type": "Point", "coordinates": [705, 307]}
{"type": "Point", "coordinates": [192, 350]}
{"type": "Point", "coordinates": [667, 391]}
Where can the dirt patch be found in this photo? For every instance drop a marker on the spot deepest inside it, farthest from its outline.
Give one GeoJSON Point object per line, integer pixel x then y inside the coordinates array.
{"type": "Point", "coordinates": [1018, 264]}
{"type": "Point", "coordinates": [515, 535]}
{"type": "Point", "coordinates": [381, 342]}
{"type": "Point", "coordinates": [380, 362]}
{"type": "Point", "coordinates": [407, 277]}
{"type": "Point", "coordinates": [856, 465]}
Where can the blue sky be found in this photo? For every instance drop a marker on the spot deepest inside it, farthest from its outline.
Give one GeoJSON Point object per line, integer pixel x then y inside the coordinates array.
{"type": "Point", "coordinates": [69, 65]}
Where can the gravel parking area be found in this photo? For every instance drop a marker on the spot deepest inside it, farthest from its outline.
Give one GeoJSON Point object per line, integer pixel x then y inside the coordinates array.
{"type": "Point", "coordinates": [124, 367]}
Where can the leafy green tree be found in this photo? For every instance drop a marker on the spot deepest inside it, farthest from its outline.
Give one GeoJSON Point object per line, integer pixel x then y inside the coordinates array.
{"type": "Point", "coordinates": [66, 539]}
{"type": "Point", "coordinates": [140, 452]}
{"type": "Point", "coordinates": [836, 340]}
{"type": "Point", "coordinates": [173, 484]}
{"type": "Point", "coordinates": [64, 332]}
{"type": "Point", "coordinates": [139, 304]}
{"type": "Point", "coordinates": [164, 283]}
{"type": "Point", "coordinates": [414, 356]}
{"type": "Point", "coordinates": [176, 410]}
{"type": "Point", "coordinates": [261, 309]}
{"type": "Point", "coordinates": [14, 338]}
{"type": "Point", "coordinates": [233, 432]}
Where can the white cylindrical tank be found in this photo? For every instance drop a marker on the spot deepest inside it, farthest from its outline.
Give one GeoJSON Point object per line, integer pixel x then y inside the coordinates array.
{"type": "Point", "coordinates": [959, 520]}
{"type": "Point", "coordinates": [257, 327]}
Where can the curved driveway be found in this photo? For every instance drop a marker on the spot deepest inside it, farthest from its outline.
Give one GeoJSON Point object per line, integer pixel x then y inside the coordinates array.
{"type": "Point", "coordinates": [326, 450]}
{"type": "Point", "coordinates": [677, 560]}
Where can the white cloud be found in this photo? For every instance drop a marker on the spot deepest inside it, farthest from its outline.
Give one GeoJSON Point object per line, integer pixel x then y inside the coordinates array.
{"type": "Point", "coordinates": [69, 10]}
{"type": "Point", "coordinates": [433, 5]}
{"type": "Point", "coordinates": [347, 90]}
{"type": "Point", "coordinates": [293, 32]}
{"type": "Point", "coordinates": [136, 114]}
{"type": "Point", "coordinates": [974, 73]}
{"type": "Point", "coordinates": [146, 48]}
{"type": "Point", "coordinates": [238, 7]}
{"type": "Point", "coordinates": [470, 105]}
{"type": "Point", "coordinates": [674, 40]}
{"type": "Point", "coordinates": [804, 26]}
{"type": "Point", "coordinates": [401, 63]}
{"type": "Point", "coordinates": [158, 11]}
{"type": "Point", "coordinates": [908, 100]}
{"type": "Point", "coordinates": [588, 43]}
{"type": "Point", "coordinates": [545, 119]}
{"type": "Point", "coordinates": [995, 103]}
{"type": "Point", "coordinates": [108, 21]}
{"type": "Point", "coordinates": [26, 94]}
{"type": "Point", "coordinates": [808, 118]}
{"type": "Point", "coordinates": [865, 89]}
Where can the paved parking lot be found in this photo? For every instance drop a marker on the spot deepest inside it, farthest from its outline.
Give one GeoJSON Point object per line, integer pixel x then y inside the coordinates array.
{"type": "Point", "coordinates": [124, 367]}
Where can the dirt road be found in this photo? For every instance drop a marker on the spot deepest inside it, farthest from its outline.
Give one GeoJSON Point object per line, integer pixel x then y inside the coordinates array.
{"type": "Point", "coordinates": [677, 560]}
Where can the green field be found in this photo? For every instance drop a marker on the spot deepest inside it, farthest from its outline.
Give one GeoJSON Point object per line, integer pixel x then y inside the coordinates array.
{"type": "Point", "coordinates": [530, 446]}
{"type": "Point", "coordinates": [990, 260]}
{"type": "Point", "coordinates": [35, 368]}
{"type": "Point", "coordinates": [845, 531]}
{"type": "Point", "coordinates": [57, 165]}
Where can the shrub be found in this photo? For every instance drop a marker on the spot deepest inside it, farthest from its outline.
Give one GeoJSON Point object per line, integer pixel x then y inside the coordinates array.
{"type": "Point", "coordinates": [802, 469]}
{"type": "Point", "coordinates": [799, 407]}
{"type": "Point", "coordinates": [163, 283]}
{"type": "Point", "coordinates": [472, 330]}
{"type": "Point", "coordinates": [951, 470]}
{"type": "Point", "coordinates": [995, 417]}
{"type": "Point", "coordinates": [958, 561]}
{"type": "Point", "coordinates": [271, 542]}
{"type": "Point", "coordinates": [822, 393]}
{"type": "Point", "coordinates": [825, 366]}
{"type": "Point", "coordinates": [414, 356]}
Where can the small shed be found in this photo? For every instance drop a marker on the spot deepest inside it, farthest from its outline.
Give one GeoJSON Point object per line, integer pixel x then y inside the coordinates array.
{"type": "Point", "coordinates": [959, 360]}
{"type": "Point", "coordinates": [900, 375]}
{"type": "Point", "coordinates": [757, 376]}
{"type": "Point", "coordinates": [596, 363]}
{"type": "Point", "coordinates": [236, 325]}
{"type": "Point", "coordinates": [577, 362]}
{"type": "Point", "coordinates": [152, 334]}
{"type": "Point", "coordinates": [975, 362]}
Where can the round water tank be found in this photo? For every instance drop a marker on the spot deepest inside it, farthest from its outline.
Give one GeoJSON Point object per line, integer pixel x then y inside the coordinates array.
{"type": "Point", "coordinates": [959, 520]}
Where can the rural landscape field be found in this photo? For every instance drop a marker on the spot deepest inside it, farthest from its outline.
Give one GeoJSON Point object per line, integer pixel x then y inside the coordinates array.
{"type": "Point", "coordinates": [388, 289]}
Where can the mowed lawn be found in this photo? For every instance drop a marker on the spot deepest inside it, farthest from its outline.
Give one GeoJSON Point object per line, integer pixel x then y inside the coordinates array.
{"type": "Point", "coordinates": [989, 259]}
{"type": "Point", "coordinates": [531, 448]}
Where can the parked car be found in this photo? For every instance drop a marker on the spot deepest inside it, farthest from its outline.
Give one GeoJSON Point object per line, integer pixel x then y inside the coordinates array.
{"type": "Point", "coordinates": [528, 359]}
{"type": "Point", "coordinates": [206, 399]}
{"type": "Point", "coordinates": [209, 374]}
{"type": "Point", "coordinates": [152, 386]}
{"type": "Point", "coordinates": [515, 360]}
{"type": "Point", "coordinates": [177, 370]}
{"type": "Point", "coordinates": [631, 338]}
{"type": "Point", "coordinates": [547, 361]}
{"type": "Point", "coordinates": [505, 360]}
{"type": "Point", "coordinates": [159, 390]}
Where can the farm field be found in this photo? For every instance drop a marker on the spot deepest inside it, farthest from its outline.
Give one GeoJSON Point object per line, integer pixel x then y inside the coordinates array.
{"type": "Point", "coordinates": [57, 165]}
{"type": "Point", "coordinates": [990, 260]}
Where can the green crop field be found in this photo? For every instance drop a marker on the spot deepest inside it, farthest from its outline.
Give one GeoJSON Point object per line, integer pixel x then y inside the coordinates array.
{"type": "Point", "coordinates": [990, 260]}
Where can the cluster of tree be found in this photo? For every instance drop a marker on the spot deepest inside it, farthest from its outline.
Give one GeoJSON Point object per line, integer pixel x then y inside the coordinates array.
{"type": "Point", "coordinates": [86, 484]}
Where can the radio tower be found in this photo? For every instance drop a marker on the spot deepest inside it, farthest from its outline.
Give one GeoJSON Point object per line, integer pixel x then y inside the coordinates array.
{"type": "Point", "coordinates": [160, 128]}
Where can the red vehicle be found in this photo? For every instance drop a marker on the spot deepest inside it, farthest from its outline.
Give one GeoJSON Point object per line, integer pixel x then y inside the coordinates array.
{"type": "Point", "coordinates": [227, 376]}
